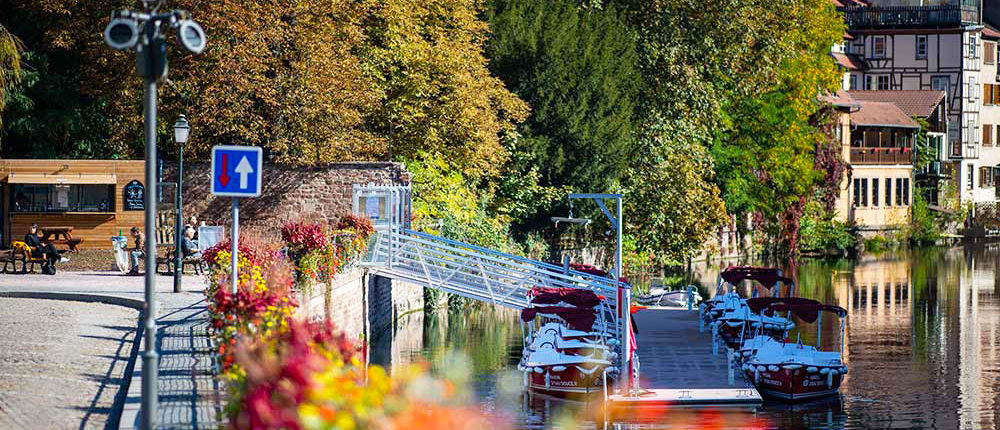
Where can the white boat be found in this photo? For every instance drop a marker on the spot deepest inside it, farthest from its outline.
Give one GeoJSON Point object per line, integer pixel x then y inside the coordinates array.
{"type": "Point", "coordinates": [793, 371]}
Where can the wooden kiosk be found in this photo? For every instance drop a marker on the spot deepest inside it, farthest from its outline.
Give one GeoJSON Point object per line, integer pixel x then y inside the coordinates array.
{"type": "Point", "coordinates": [77, 203]}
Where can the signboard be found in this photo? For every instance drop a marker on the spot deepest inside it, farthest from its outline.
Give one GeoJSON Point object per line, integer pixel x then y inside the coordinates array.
{"type": "Point", "coordinates": [236, 171]}
{"type": "Point", "coordinates": [135, 196]}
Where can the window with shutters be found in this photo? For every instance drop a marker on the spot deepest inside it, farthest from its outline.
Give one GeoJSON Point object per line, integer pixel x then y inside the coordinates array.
{"type": "Point", "coordinates": [988, 90]}
{"type": "Point", "coordinates": [983, 177]}
{"type": "Point", "coordinates": [989, 51]}
{"type": "Point", "coordinates": [987, 134]}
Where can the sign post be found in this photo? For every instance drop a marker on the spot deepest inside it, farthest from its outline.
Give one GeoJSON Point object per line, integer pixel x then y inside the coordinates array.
{"type": "Point", "coordinates": [237, 172]}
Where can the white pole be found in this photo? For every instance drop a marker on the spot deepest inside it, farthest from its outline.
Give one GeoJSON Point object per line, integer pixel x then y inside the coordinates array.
{"type": "Point", "coordinates": [234, 274]}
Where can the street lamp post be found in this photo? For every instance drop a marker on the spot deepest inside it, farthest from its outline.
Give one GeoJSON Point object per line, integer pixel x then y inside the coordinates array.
{"type": "Point", "coordinates": [143, 32]}
{"type": "Point", "coordinates": [181, 131]}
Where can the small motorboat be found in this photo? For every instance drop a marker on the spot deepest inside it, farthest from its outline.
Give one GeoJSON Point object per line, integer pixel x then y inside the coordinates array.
{"type": "Point", "coordinates": [793, 371]}
{"type": "Point", "coordinates": [659, 296]}
{"type": "Point", "coordinates": [551, 372]}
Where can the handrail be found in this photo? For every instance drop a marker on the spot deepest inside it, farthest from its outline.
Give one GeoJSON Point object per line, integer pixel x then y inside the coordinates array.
{"type": "Point", "coordinates": [554, 269]}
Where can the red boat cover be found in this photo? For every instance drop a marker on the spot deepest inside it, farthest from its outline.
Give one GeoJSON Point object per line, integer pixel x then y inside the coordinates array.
{"type": "Point", "coordinates": [577, 318]}
{"type": "Point", "coordinates": [767, 276]}
{"type": "Point", "coordinates": [807, 312]}
{"type": "Point", "coordinates": [593, 270]}
{"type": "Point", "coordinates": [573, 296]}
{"type": "Point", "coordinates": [758, 304]}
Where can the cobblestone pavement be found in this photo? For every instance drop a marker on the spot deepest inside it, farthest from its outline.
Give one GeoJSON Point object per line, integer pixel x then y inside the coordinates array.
{"type": "Point", "coordinates": [62, 362]}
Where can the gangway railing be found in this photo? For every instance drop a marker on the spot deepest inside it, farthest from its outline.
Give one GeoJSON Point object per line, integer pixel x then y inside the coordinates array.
{"type": "Point", "coordinates": [472, 271]}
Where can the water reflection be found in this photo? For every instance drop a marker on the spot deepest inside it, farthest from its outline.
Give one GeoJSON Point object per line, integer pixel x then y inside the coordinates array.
{"type": "Point", "coordinates": [922, 342]}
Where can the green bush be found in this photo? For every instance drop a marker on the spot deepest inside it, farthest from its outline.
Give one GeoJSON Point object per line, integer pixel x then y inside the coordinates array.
{"type": "Point", "coordinates": [818, 231]}
{"type": "Point", "coordinates": [924, 224]}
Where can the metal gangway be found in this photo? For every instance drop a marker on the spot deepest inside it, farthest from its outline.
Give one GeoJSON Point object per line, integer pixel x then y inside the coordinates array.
{"type": "Point", "coordinates": [395, 251]}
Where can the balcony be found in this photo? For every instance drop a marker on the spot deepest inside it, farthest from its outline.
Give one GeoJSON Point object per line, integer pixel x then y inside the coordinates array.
{"type": "Point", "coordinates": [884, 17]}
{"type": "Point", "coordinates": [881, 156]}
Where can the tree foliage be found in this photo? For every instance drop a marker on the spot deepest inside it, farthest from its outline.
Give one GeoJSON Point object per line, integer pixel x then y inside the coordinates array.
{"type": "Point", "coordinates": [577, 68]}
{"type": "Point", "coordinates": [312, 81]}
{"type": "Point", "coordinates": [436, 93]}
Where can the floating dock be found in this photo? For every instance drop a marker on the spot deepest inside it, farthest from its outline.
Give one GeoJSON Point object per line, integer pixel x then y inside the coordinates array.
{"type": "Point", "coordinates": [677, 367]}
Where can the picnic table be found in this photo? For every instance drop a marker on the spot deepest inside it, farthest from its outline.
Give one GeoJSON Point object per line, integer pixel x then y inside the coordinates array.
{"type": "Point", "coordinates": [60, 235]}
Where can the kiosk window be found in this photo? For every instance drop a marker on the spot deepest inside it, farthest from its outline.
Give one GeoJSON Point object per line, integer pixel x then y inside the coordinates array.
{"type": "Point", "coordinates": [62, 198]}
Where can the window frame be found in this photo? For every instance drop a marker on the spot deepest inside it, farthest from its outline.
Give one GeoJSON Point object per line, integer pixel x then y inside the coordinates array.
{"type": "Point", "coordinates": [878, 83]}
{"type": "Point", "coordinates": [875, 182]}
{"type": "Point", "coordinates": [917, 46]}
{"type": "Point", "coordinates": [989, 52]}
{"type": "Point", "coordinates": [875, 44]}
{"type": "Point", "coordinates": [74, 198]}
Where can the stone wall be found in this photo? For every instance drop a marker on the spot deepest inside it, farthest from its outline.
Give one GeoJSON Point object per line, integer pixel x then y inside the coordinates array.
{"type": "Point", "coordinates": [361, 305]}
{"type": "Point", "coordinates": [290, 192]}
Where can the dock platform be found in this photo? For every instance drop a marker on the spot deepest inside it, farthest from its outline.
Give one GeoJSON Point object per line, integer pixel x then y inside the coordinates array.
{"type": "Point", "coordinates": [677, 367]}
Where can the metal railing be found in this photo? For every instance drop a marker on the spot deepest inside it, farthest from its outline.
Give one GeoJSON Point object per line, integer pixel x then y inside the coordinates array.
{"type": "Point", "coordinates": [943, 16]}
{"type": "Point", "coordinates": [475, 272]}
{"type": "Point", "coordinates": [881, 156]}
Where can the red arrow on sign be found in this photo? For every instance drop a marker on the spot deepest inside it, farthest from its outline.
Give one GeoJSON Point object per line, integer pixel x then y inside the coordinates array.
{"type": "Point", "coordinates": [224, 177]}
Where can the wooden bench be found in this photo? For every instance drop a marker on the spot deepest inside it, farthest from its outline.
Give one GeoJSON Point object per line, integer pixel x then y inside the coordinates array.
{"type": "Point", "coordinates": [22, 252]}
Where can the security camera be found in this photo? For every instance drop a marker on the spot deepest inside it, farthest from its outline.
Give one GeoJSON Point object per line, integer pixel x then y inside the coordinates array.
{"type": "Point", "coordinates": [191, 36]}
{"type": "Point", "coordinates": [121, 34]}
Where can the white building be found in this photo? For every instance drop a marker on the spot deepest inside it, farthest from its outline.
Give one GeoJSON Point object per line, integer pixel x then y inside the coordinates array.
{"type": "Point", "coordinates": [935, 45]}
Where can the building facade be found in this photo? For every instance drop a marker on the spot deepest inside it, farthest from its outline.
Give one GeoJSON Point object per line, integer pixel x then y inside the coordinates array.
{"type": "Point", "coordinates": [878, 142]}
{"type": "Point", "coordinates": [944, 46]}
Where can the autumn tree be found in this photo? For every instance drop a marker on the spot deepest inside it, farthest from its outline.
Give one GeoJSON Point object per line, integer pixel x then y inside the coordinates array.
{"type": "Point", "coordinates": [436, 94]}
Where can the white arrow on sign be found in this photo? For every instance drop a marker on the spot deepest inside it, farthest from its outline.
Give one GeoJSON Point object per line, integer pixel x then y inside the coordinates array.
{"type": "Point", "coordinates": [244, 170]}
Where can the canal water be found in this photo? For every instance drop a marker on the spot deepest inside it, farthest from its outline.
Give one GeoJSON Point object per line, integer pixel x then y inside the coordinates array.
{"type": "Point", "coordinates": [922, 341]}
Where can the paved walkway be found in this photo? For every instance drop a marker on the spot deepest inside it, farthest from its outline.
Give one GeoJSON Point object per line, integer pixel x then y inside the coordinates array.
{"type": "Point", "coordinates": [188, 393]}
{"type": "Point", "coordinates": [62, 363]}
{"type": "Point", "coordinates": [673, 354]}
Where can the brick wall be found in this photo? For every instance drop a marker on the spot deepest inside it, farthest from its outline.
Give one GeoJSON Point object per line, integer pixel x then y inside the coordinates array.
{"type": "Point", "coordinates": [290, 192]}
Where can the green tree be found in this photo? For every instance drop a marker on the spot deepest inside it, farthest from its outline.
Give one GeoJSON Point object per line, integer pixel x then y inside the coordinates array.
{"type": "Point", "coordinates": [578, 69]}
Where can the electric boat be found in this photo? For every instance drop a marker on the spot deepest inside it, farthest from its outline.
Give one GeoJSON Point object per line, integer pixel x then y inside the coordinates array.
{"type": "Point", "coordinates": [793, 371]}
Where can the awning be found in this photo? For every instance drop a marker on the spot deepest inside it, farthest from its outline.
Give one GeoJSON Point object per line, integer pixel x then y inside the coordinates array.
{"type": "Point", "coordinates": [45, 178]}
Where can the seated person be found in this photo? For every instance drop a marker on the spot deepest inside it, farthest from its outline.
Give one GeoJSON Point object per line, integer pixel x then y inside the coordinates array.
{"type": "Point", "coordinates": [138, 251]}
{"type": "Point", "coordinates": [189, 246]}
{"type": "Point", "coordinates": [40, 250]}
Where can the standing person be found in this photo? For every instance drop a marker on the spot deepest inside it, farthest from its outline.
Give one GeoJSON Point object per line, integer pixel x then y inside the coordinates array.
{"type": "Point", "coordinates": [138, 251]}
{"type": "Point", "coordinates": [40, 250]}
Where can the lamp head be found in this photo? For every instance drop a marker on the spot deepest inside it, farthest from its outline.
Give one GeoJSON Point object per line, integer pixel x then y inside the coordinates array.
{"type": "Point", "coordinates": [122, 33]}
{"type": "Point", "coordinates": [181, 130]}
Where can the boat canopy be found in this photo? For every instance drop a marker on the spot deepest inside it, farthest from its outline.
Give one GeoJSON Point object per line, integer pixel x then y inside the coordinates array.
{"type": "Point", "coordinates": [767, 276]}
{"type": "Point", "coordinates": [758, 304]}
{"type": "Point", "coordinates": [576, 318]}
{"type": "Point", "coordinates": [807, 312]}
{"type": "Point", "coordinates": [571, 296]}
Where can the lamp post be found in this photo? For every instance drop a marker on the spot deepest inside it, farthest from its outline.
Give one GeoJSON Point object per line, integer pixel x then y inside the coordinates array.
{"type": "Point", "coordinates": [181, 131]}
{"type": "Point", "coordinates": [144, 33]}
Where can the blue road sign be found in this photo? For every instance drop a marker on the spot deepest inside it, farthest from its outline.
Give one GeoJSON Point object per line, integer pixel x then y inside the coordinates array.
{"type": "Point", "coordinates": [237, 170]}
